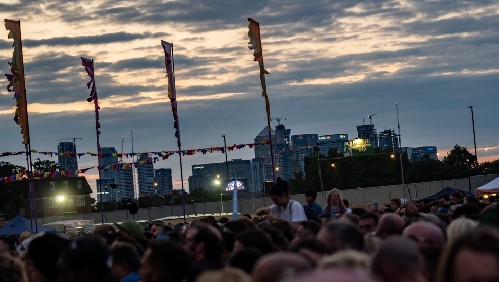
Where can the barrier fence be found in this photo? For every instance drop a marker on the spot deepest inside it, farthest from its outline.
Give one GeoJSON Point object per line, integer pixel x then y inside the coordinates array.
{"type": "Point", "coordinates": [357, 197]}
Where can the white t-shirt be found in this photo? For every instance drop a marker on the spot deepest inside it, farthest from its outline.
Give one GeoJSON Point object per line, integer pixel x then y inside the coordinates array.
{"type": "Point", "coordinates": [294, 212]}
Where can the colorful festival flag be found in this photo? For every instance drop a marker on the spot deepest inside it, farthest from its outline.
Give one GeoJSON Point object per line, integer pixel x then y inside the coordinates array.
{"type": "Point", "coordinates": [16, 79]}
{"type": "Point", "coordinates": [89, 67]}
{"type": "Point", "coordinates": [172, 94]}
{"type": "Point", "coordinates": [255, 43]}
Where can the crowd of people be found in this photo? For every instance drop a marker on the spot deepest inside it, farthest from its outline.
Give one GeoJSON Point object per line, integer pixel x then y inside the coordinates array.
{"type": "Point", "coordinates": [451, 239]}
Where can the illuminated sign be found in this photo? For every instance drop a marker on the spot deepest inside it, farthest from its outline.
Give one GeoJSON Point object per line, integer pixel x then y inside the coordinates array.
{"type": "Point", "coordinates": [199, 167]}
{"type": "Point", "coordinates": [230, 185]}
{"type": "Point", "coordinates": [325, 137]}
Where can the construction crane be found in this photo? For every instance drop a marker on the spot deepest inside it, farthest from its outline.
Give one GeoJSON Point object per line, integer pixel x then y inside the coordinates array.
{"type": "Point", "coordinates": [371, 118]}
{"type": "Point", "coordinates": [71, 138]}
{"type": "Point", "coordinates": [278, 119]}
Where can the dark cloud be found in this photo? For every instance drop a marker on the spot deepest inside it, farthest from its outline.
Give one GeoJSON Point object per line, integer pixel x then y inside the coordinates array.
{"type": "Point", "coordinates": [115, 37]}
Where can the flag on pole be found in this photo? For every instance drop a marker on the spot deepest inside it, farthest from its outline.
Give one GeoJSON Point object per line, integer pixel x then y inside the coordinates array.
{"type": "Point", "coordinates": [16, 79]}
{"type": "Point", "coordinates": [172, 93]}
{"type": "Point", "coordinates": [255, 43]}
{"type": "Point", "coordinates": [89, 67]}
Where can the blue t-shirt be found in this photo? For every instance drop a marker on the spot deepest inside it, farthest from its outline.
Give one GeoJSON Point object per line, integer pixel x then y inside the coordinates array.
{"type": "Point", "coordinates": [316, 208]}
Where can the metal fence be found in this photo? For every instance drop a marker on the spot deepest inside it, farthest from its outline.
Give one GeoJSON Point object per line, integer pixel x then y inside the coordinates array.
{"type": "Point", "coordinates": [357, 197]}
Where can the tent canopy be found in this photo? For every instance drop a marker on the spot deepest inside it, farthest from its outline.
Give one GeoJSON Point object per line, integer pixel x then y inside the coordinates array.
{"type": "Point", "coordinates": [491, 187]}
{"type": "Point", "coordinates": [19, 224]}
{"type": "Point", "coordinates": [447, 191]}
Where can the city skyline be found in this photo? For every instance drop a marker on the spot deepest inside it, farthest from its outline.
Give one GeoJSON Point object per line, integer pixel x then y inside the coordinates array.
{"type": "Point", "coordinates": [331, 64]}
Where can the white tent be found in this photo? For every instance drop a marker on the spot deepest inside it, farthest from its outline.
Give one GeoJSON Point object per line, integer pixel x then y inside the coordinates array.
{"type": "Point", "coordinates": [491, 187]}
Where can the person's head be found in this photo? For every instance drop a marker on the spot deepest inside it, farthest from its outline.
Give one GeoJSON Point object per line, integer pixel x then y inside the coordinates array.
{"type": "Point", "coordinates": [279, 193]}
{"type": "Point", "coordinates": [334, 197]}
{"type": "Point", "coordinates": [204, 243]}
{"type": "Point", "coordinates": [85, 259]}
{"type": "Point", "coordinates": [278, 266]}
{"type": "Point", "coordinates": [156, 228]}
{"type": "Point", "coordinates": [341, 236]}
{"type": "Point", "coordinates": [255, 238]}
{"type": "Point", "coordinates": [164, 261]}
{"type": "Point", "coordinates": [389, 224]}
{"type": "Point", "coordinates": [444, 199]}
{"type": "Point", "coordinates": [425, 234]}
{"type": "Point", "coordinates": [348, 259]}
{"type": "Point", "coordinates": [473, 257]}
{"type": "Point", "coordinates": [12, 269]}
{"type": "Point", "coordinates": [227, 274]}
{"type": "Point", "coordinates": [368, 222]}
{"type": "Point", "coordinates": [126, 259]}
{"type": "Point", "coordinates": [395, 204]}
{"type": "Point", "coordinates": [312, 249]}
{"type": "Point", "coordinates": [456, 198]}
{"type": "Point", "coordinates": [398, 260]}
{"type": "Point", "coordinates": [459, 227]}
{"type": "Point", "coordinates": [7, 244]}
{"type": "Point", "coordinates": [307, 230]}
{"type": "Point", "coordinates": [310, 196]}
{"type": "Point", "coordinates": [42, 255]}
{"type": "Point", "coordinates": [245, 259]}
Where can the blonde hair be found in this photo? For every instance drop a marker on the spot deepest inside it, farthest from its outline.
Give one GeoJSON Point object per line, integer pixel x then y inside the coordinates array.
{"type": "Point", "coordinates": [347, 259]}
{"type": "Point", "coordinates": [228, 274]}
{"type": "Point", "coordinates": [459, 227]}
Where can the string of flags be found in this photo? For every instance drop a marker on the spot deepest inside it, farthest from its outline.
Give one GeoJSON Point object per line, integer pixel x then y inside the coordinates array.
{"type": "Point", "coordinates": [162, 154]}
{"type": "Point", "coordinates": [115, 167]}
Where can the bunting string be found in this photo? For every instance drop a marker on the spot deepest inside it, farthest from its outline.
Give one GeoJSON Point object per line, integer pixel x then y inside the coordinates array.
{"type": "Point", "coordinates": [162, 154]}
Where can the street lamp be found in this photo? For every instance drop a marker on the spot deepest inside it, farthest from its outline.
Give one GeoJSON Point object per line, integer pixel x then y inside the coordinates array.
{"type": "Point", "coordinates": [60, 201]}
{"type": "Point", "coordinates": [218, 183]}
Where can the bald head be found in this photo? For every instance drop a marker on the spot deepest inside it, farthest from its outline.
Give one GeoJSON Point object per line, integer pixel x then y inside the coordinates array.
{"type": "Point", "coordinates": [389, 224]}
{"type": "Point", "coordinates": [398, 259]}
{"type": "Point", "coordinates": [425, 234]}
{"type": "Point", "coordinates": [273, 267]}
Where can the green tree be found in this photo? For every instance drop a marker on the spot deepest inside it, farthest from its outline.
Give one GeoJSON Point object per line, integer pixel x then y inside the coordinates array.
{"type": "Point", "coordinates": [429, 170]}
{"type": "Point", "coordinates": [461, 161]}
{"type": "Point", "coordinates": [7, 169]}
{"type": "Point", "coordinates": [490, 167]}
{"type": "Point", "coordinates": [45, 165]}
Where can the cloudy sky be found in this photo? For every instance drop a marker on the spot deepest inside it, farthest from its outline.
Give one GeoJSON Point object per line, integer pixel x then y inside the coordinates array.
{"type": "Point", "coordinates": [331, 64]}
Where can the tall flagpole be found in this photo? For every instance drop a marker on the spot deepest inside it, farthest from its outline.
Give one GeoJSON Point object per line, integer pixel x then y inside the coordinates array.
{"type": "Point", "coordinates": [89, 68]}
{"type": "Point", "coordinates": [256, 45]}
{"type": "Point", "coordinates": [17, 84]}
{"type": "Point", "coordinates": [172, 94]}
{"type": "Point", "coordinates": [400, 156]}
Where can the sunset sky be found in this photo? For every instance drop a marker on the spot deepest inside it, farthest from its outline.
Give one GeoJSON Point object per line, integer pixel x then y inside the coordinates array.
{"type": "Point", "coordinates": [331, 64]}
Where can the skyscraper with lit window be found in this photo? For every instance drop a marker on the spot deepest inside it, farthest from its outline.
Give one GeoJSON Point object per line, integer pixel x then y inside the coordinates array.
{"type": "Point", "coordinates": [67, 158]}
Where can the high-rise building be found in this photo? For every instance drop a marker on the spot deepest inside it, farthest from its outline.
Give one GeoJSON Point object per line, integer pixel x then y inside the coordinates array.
{"type": "Point", "coordinates": [332, 141]}
{"type": "Point", "coordinates": [283, 153]}
{"type": "Point", "coordinates": [145, 174]}
{"type": "Point", "coordinates": [368, 132]}
{"type": "Point", "coordinates": [262, 152]}
{"type": "Point", "coordinates": [388, 139]}
{"type": "Point", "coordinates": [107, 159]}
{"type": "Point", "coordinates": [302, 146]}
{"type": "Point", "coordinates": [163, 181]}
{"type": "Point", "coordinates": [124, 180]}
{"type": "Point", "coordinates": [68, 162]}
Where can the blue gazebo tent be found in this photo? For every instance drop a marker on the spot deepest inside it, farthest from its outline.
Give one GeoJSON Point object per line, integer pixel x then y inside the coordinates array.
{"type": "Point", "coordinates": [19, 224]}
{"type": "Point", "coordinates": [446, 191]}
